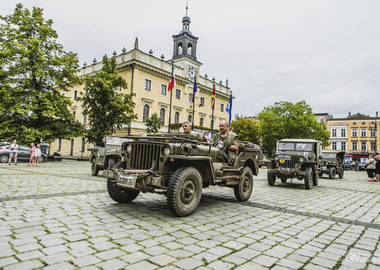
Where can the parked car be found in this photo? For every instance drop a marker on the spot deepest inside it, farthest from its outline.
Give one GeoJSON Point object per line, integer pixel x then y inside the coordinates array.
{"type": "Point", "coordinates": [23, 154]}
{"type": "Point", "coordinates": [4, 143]}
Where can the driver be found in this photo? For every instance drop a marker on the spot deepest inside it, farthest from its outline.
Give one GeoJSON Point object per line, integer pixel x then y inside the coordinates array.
{"type": "Point", "coordinates": [186, 125]}
{"type": "Point", "coordinates": [227, 142]}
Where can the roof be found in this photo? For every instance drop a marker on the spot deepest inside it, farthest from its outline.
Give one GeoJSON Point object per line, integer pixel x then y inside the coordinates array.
{"type": "Point", "coordinates": [299, 140]}
{"type": "Point", "coordinates": [332, 151]}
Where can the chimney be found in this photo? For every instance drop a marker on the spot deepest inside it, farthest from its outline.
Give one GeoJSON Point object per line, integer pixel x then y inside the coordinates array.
{"type": "Point", "coordinates": [377, 114]}
{"type": "Point", "coordinates": [349, 114]}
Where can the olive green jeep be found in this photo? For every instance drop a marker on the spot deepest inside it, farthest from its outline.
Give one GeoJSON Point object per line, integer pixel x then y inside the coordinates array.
{"type": "Point", "coordinates": [178, 166]}
{"type": "Point", "coordinates": [296, 158]}
{"type": "Point", "coordinates": [332, 163]}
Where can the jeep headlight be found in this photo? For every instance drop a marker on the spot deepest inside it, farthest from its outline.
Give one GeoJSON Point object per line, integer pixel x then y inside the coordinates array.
{"type": "Point", "coordinates": [166, 151]}
{"type": "Point", "coordinates": [128, 148]}
{"type": "Point", "coordinates": [301, 159]}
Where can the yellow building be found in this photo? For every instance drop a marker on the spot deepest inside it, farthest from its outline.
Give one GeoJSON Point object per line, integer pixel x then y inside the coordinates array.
{"type": "Point", "coordinates": [356, 134]}
{"type": "Point", "coordinates": [148, 76]}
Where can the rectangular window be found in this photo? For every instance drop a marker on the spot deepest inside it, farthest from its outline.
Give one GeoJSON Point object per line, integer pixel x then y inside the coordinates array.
{"type": "Point", "coordinates": [354, 132]}
{"type": "Point", "coordinates": [333, 133]}
{"type": "Point", "coordinates": [83, 145]}
{"type": "Point", "coordinates": [163, 89]}
{"type": "Point", "coordinates": [373, 132]}
{"type": "Point", "coordinates": [221, 107]}
{"type": "Point", "coordinates": [178, 94]}
{"type": "Point", "coordinates": [202, 101]}
{"type": "Point", "coordinates": [59, 144]}
{"type": "Point", "coordinates": [343, 145]}
{"type": "Point", "coordinates": [373, 146]}
{"type": "Point", "coordinates": [84, 120]}
{"type": "Point", "coordinates": [148, 85]}
{"type": "Point", "coordinates": [354, 123]}
{"type": "Point", "coordinates": [75, 95]}
{"type": "Point", "coordinates": [364, 146]}
{"type": "Point", "coordinates": [354, 145]}
{"type": "Point", "coordinates": [343, 132]}
{"type": "Point", "coordinates": [191, 97]}
{"type": "Point", "coordinates": [333, 145]}
{"type": "Point", "coordinates": [363, 123]}
{"type": "Point", "coordinates": [363, 132]}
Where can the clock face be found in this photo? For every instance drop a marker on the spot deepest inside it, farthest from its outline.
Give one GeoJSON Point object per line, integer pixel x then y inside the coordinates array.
{"type": "Point", "coordinates": [191, 72]}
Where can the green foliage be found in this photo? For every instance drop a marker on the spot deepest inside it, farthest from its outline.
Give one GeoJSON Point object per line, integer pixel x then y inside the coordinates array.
{"type": "Point", "coordinates": [288, 120]}
{"type": "Point", "coordinates": [33, 67]}
{"type": "Point", "coordinates": [246, 128]}
{"type": "Point", "coordinates": [106, 107]}
{"type": "Point", "coordinates": [153, 123]}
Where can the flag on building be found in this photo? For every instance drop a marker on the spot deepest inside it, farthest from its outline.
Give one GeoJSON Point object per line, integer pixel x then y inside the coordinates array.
{"type": "Point", "coordinates": [200, 105]}
{"type": "Point", "coordinates": [213, 98]}
{"type": "Point", "coordinates": [194, 88]}
{"type": "Point", "coordinates": [229, 108]}
{"type": "Point", "coordinates": [171, 84]}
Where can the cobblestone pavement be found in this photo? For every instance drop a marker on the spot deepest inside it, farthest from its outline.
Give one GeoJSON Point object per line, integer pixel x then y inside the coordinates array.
{"type": "Point", "coordinates": [58, 216]}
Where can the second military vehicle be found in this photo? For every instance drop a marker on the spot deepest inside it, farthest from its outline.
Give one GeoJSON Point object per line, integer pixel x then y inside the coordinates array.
{"type": "Point", "coordinates": [179, 166]}
{"type": "Point", "coordinates": [332, 163]}
{"type": "Point", "coordinates": [296, 158]}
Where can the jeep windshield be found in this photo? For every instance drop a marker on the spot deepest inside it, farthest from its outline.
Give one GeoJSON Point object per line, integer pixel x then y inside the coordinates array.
{"type": "Point", "coordinates": [329, 155]}
{"type": "Point", "coordinates": [290, 146]}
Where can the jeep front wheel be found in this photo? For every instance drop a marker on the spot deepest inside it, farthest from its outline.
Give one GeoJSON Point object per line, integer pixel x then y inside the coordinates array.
{"type": "Point", "coordinates": [271, 178]}
{"type": "Point", "coordinates": [341, 174]}
{"type": "Point", "coordinates": [308, 178]}
{"type": "Point", "coordinates": [94, 168]}
{"type": "Point", "coordinates": [332, 173]}
{"type": "Point", "coordinates": [184, 191]}
{"type": "Point", "coordinates": [244, 189]}
{"type": "Point", "coordinates": [121, 195]}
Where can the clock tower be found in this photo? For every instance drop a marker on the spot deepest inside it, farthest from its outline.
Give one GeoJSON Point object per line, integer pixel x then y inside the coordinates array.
{"type": "Point", "coordinates": [185, 49]}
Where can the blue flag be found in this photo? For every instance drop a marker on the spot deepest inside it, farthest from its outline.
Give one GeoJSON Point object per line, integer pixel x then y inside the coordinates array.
{"type": "Point", "coordinates": [194, 88]}
{"type": "Point", "coordinates": [229, 108]}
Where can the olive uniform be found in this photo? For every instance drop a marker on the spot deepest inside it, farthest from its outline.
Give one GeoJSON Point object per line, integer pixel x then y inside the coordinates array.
{"type": "Point", "coordinates": [196, 135]}
{"type": "Point", "coordinates": [224, 143]}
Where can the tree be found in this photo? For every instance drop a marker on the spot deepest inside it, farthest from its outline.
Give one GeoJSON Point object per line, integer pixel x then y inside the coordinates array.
{"type": "Point", "coordinates": [288, 120]}
{"type": "Point", "coordinates": [33, 68]}
{"type": "Point", "coordinates": [153, 124]}
{"type": "Point", "coordinates": [246, 128]}
{"type": "Point", "coordinates": [107, 108]}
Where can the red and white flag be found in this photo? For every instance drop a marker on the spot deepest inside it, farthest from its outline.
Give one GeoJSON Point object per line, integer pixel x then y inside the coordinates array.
{"type": "Point", "coordinates": [171, 84]}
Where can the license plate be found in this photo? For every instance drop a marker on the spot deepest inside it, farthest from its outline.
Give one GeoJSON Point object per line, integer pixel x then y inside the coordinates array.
{"type": "Point", "coordinates": [285, 157]}
{"type": "Point", "coordinates": [284, 169]}
{"type": "Point", "coordinates": [127, 180]}
{"type": "Point", "coordinates": [323, 168]}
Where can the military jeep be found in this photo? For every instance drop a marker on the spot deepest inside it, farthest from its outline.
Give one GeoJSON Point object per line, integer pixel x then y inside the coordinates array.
{"type": "Point", "coordinates": [296, 158]}
{"type": "Point", "coordinates": [178, 166]}
{"type": "Point", "coordinates": [332, 163]}
{"type": "Point", "coordinates": [105, 155]}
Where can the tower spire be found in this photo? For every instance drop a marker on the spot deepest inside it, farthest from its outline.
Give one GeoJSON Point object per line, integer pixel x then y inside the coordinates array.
{"type": "Point", "coordinates": [187, 6]}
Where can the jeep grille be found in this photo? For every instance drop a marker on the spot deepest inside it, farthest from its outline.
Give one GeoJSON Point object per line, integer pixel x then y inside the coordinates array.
{"type": "Point", "coordinates": [290, 163]}
{"type": "Point", "coordinates": [142, 156]}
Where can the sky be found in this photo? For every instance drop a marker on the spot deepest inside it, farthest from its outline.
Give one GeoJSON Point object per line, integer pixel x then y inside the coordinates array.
{"type": "Point", "coordinates": [326, 52]}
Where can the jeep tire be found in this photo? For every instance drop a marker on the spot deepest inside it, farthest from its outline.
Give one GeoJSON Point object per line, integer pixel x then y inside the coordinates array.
{"type": "Point", "coordinates": [121, 195]}
{"type": "Point", "coordinates": [271, 178]}
{"type": "Point", "coordinates": [4, 158]}
{"type": "Point", "coordinates": [332, 173]}
{"type": "Point", "coordinates": [341, 173]}
{"type": "Point", "coordinates": [94, 168]}
{"type": "Point", "coordinates": [184, 191]}
{"type": "Point", "coordinates": [308, 178]}
{"type": "Point", "coordinates": [315, 178]}
{"type": "Point", "coordinates": [244, 189]}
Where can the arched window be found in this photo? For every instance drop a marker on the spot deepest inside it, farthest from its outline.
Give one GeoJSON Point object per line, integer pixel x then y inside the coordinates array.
{"type": "Point", "coordinates": [180, 50]}
{"type": "Point", "coordinates": [201, 121]}
{"type": "Point", "coordinates": [162, 115]}
{"type": "Point", "coordinates": [189, 118]}
{"type": "Point", "coordinates": [176, 117]}
{"type": "Point", "coordinates": [145, 112]}
{"type": "Point", "coordinates": [189, 49]}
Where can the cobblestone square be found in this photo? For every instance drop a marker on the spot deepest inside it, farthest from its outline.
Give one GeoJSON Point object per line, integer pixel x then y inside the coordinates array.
{"type": "Point", "coordinates": [58, 216]}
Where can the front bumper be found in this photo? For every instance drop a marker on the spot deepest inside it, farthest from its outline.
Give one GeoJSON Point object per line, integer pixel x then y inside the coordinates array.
{"type": "Point", "coordinates": [287, 172]}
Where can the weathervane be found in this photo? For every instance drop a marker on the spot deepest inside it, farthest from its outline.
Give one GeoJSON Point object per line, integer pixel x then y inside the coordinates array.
{"type": "Point", "coordinates": [187, 6]}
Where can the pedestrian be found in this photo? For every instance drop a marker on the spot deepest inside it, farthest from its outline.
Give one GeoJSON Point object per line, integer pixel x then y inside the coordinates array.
{"type": "Point", "coordinates": [37, 155]}
{"type": "Point", "coordinates": [356, 166]}
{"type": "Point", "coordinates": [377, 168]}
{"type": "Point", "coordinates": [13, 153]}
{"type": "Point", "coordinates": [32, 152]}
{"type": "Point", "coordinates": [370, 166]}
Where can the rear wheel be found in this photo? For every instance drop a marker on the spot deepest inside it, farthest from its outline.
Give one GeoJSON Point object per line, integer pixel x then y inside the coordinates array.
{"type": "Point", "coordinates": [94, 168]}
{"type": "Point", "coordinates": [40, 159]}
{"type": "Point", "coordinates": [121, 195]}
{"type": "Point", "coordinates": [244, 189]}
{"type": "Point", "coordinates": [315, 178]}
{"type": "Point", "coordinates": [184, 191]}
{"type": "Point", "coordinates": [271, 178]}
{"type": "Point", "coordinates": [341, 174]}
{"type": "Point", "coordinates": [308, 178]}
{"type": "Point", "coordinates": [332, 173]}
{"type": "Point", "coordinates": [4, 158]}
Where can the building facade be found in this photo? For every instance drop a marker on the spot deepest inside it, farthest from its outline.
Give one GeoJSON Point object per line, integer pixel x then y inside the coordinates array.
{"type": "Point", "coordinates": [147, 77]}
{"type": "Point", "coordinates": [356, 134]}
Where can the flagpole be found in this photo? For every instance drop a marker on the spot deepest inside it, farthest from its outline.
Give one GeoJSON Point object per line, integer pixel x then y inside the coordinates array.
{"type": "Point", "coordinates": [212, 108]}
{"type": "Point", "coordinates": [195, 85]}
{"type": "Point", "coordinates": [171, 96]}
{"type": "Point", "coordinates": [230, 112]}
